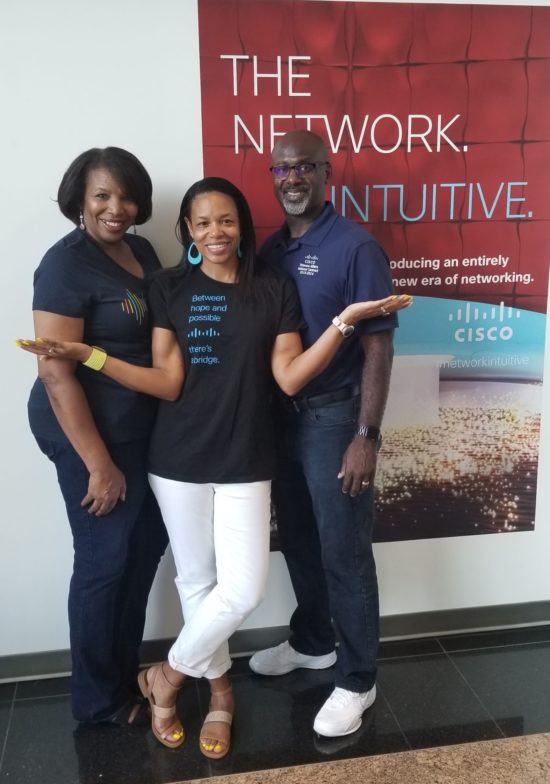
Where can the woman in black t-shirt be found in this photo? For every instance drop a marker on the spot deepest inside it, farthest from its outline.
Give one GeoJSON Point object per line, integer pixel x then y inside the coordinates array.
{"type": "Point", "coordinates": [91, 286]}
{"type": "Point", "coordinates": [223, 327]}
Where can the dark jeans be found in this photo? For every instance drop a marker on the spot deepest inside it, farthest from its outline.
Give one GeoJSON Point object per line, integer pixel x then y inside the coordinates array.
{"type": "Point", "coordinates": [326, 538]}
{"type": "Point", "coordinates": [115, 561]}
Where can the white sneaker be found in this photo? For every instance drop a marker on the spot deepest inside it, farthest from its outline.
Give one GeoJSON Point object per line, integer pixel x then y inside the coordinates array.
{"type": "Point", "coordinates": [283, 659]}
{"type": "Point", "coordinates": [343, 711]}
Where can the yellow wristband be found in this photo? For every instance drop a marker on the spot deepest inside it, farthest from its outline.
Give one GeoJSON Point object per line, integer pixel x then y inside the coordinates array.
{"type": "Point", "coordinates": [97, 358]}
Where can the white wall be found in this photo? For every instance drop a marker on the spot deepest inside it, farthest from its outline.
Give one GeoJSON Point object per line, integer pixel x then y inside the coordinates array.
{"type": "Point", "coordinates": [75, 76]}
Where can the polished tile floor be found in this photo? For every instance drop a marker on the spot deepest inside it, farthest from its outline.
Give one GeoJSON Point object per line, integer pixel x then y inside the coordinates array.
{"type": "Point", "coordinates": [432, 692]}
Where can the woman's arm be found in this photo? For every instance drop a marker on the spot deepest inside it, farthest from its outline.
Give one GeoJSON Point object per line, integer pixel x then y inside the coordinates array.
{"type": "Point", "coordinates": [293, 367]}
{"type": "Point", "coordinates": [107, 484]}
{"type": "Point", "coordinates": [164, 379]}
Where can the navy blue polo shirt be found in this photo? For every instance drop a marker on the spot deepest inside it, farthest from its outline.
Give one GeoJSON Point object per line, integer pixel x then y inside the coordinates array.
{"type": "Point", "coordinates": [334, 264]}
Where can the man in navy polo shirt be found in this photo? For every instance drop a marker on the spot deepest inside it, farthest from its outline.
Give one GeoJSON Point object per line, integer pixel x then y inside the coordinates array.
{"type": "Point", "coordinates": [329, 438]}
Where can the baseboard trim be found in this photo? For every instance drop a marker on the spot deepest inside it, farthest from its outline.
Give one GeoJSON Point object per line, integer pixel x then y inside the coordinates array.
{"type": "Point", "coordinates": [52, 664]}
{"type": "Point", "coordinates": [468, 619]}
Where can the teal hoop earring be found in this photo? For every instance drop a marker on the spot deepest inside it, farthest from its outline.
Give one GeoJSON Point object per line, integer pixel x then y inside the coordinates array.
{"type": "Point", "coordinates": [239, 251]}
{"type": "Point", "coordinates": [194, 259]}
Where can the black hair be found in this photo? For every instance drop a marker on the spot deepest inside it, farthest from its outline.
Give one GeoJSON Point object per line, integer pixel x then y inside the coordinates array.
{"type": "Point", "coordinates": [248, 260]}
{"type": "Point", "coordinates": [124, 167]}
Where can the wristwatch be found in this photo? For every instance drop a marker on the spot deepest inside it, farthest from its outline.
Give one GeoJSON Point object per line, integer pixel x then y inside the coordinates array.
{"type": "Point", "coordinates": [345, 329]}
{"type": "Point", "coordinates": [371, 433]}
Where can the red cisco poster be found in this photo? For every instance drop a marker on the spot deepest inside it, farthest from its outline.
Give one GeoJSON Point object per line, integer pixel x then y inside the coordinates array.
{"type": "Point", "coordinates": [438, 121]}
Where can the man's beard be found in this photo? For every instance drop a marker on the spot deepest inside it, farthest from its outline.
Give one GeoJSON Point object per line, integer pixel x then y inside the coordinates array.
{"type": "Point", "coordinates": [295, 207]}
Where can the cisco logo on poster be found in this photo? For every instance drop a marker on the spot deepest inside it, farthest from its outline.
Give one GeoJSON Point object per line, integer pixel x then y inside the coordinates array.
{"type": "Point", "coordinates": [476, 324]}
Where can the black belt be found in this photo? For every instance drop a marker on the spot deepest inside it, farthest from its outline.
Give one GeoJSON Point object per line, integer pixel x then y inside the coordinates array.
{"type": "Point", "coordinates": [317, 401]}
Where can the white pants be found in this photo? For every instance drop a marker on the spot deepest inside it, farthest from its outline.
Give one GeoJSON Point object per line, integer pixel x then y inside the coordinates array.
{"type": "Point", "coordinates": [219, 535]}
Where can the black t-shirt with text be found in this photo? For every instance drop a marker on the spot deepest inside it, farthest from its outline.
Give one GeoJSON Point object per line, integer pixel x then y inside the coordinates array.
{"type": "Point", "coordinates": [220, 428]}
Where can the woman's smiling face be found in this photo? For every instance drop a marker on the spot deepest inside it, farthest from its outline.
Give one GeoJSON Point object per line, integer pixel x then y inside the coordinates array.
{"type": "Point", "coordinates": [108, 211]}
{"type": "Point", "coordinates": [215, 229]}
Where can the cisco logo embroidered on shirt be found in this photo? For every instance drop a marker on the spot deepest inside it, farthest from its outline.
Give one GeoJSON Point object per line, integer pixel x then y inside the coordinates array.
{"type": "Point", "coordinates": [309, 265]}
{"type": "Point", "coordinates": [134, 306]}
{"type": "Point", "coordinates": [494, 327]}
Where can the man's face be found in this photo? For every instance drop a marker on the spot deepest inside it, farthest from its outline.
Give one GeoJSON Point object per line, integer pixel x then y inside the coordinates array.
{"type": "Point", "coordinates": [299, 191]}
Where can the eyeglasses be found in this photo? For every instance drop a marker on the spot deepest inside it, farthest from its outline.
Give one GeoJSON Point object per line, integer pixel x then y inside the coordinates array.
{"type": "Point", "coordinates": [300, 169]}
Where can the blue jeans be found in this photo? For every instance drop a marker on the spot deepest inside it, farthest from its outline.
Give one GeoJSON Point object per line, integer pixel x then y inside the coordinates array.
{"type": "Point", "coordinates": [326, 538]}
{"type": "Point", "coordinates": [115, 561]}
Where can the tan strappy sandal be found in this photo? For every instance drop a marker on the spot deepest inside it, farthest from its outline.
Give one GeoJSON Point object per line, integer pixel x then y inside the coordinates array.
{"type": "Point", "coordinates": [211, 746]}
{"type": "Point", "coordinates": [174, 735]}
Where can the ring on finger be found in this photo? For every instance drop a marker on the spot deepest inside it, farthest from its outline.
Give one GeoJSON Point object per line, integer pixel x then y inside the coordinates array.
{"type": "Point", "coordinates": [384, 311]}
{"type": "Point", "coordinates": [365, 484]}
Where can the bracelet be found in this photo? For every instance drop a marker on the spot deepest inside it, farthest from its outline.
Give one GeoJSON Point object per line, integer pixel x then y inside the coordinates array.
{"type": "Point", "coordinates": [345, 329]}
{"type": "Point", "coordinates": [97, 358]}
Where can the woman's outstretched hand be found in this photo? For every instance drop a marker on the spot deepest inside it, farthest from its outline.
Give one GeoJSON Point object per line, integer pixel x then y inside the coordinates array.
{"type": "Point", "coordinates": [375, 308]}
{"type": "Point", "coordinates": [45, 348]}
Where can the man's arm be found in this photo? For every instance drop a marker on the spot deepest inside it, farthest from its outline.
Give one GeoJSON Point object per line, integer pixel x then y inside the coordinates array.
{"type": "Point", "coordinates": [359, 461]}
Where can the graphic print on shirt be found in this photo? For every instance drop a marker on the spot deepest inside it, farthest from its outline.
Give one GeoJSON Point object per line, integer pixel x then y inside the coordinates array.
{"type": "Point", "coordinates": [135, 306]}
{"type": "Point", "coordinates": [309, 265]}
{"type": "Point", "coordinates": [206, 313]}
